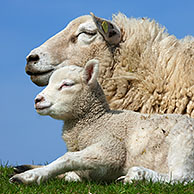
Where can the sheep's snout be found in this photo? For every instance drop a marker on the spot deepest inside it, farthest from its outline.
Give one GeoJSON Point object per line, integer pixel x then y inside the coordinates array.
{"type": "Point", "coordinates": [41, 103]}
{"type": "Point", "coordinates": [32, 58]}
{"type": "Point", "coordinates": [40, 66]}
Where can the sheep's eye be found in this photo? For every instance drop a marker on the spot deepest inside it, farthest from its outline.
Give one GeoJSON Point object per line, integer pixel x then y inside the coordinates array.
{"type": "Point", "coordinates": [66, 84]}
{"type": "Point", "coordinates": [89, 33]}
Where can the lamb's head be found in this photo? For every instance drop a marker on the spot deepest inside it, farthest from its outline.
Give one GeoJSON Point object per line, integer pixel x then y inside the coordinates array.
{"type": "Point", "coordinates": [84, 38]}
{"type": "Point", "coordinates": [71, 92]}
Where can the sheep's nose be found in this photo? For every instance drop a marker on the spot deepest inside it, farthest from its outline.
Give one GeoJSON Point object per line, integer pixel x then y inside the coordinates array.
{"type": "Point", "coordinates": [39, 98]}
{"type": "Point", "coordinates": [32, 58]}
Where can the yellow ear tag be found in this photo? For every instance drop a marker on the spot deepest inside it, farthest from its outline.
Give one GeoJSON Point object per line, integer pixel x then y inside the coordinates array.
{"type": "Point", "coordinates": [105, 26]}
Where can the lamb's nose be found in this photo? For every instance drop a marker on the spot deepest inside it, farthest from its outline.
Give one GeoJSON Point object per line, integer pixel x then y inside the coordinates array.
{"type": "Point", "coordinates": [32, 58]}
{"type": "Point", "coordinates": [39, 98]}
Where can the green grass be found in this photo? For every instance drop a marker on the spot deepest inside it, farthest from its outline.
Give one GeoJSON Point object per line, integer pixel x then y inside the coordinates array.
{"type": "Point", "coordinates": [60, 186]}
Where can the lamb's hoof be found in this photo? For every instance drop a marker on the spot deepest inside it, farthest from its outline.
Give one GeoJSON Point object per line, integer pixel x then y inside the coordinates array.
{"type": "Point", "coordinates": [20, 169]}
{"type": "Point", "coordinates": [121, 179]}
{"type": "Point", "coordinates": [15, 180]}
{"type": "Point", "coordinates": [124, 179]}
{"type": "Point", "coordinates": [72, 177]}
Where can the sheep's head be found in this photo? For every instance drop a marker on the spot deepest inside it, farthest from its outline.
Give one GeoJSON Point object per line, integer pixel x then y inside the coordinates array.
{"type": "Point", "coordinates": [84, 38]}
{"type": "Point", "coordinates": [69, 91]}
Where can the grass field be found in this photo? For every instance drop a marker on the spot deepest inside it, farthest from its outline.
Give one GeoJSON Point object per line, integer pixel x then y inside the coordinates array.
{"type": "Point", "coordinates": [60, 186]}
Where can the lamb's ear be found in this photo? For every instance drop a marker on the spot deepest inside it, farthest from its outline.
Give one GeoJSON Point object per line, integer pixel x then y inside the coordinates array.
{"type": "Point", "coordinates": [109, 31]}
{"type": "Point", "coordinates": [90, 72]}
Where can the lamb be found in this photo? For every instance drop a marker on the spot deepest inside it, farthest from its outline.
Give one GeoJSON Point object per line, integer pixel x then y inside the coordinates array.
{"type": "Point", "coordinates": [106, 145]}
{"type": "Point", "coordinates": [143, 68]}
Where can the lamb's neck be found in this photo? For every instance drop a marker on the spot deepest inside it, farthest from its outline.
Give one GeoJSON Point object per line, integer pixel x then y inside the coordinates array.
{"type": "Point", "coordinates": [78, 123]}
{"type": "Point", "coordinates": [72, 128]}
{"type": "Point", "coordinates": [89, 106]}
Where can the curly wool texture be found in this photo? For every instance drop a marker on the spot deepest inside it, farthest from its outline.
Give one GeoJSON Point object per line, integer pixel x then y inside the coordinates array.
{"type": "Point", "coordinates": [149, 71]}
{"type": "Point", "coordinates": [152, 71]}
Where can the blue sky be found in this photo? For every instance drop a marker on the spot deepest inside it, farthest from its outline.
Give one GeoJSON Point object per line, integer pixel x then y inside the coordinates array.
{"type": "Point", "coordinates": [25, 136]}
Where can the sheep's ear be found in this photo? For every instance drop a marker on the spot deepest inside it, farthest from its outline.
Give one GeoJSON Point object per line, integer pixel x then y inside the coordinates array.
{"type": "Point", "coordinates": [90, 72]}
{"type": "Point", "coordinates": [109, 31]}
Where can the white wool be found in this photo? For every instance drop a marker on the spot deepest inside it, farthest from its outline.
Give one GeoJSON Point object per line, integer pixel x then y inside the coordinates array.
{"type": "Point", "coordinates": [106, 145]}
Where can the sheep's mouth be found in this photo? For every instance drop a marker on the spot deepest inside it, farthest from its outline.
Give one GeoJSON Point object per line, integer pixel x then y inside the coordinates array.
{"type": "Point", "coordinates": [39, 73]}
{"type": "Point", "coordinates": [40, 78]}
{"type": "Point", "coordinates": [41, 108]}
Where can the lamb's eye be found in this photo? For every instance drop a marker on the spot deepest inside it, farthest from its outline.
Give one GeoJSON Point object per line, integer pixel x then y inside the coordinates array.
{"type": "Point", "coordinates": [66, 84]}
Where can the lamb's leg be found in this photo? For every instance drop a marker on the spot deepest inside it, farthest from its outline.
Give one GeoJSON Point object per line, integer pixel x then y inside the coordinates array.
{"type": "Point", "coordinates": [91, 158]}
{"type": "Point", "coordinates": [141, 173]}
{"type": "Point", "coordinates": [59, 166]}
{"type": "Point", "coordinates": [68, 176]}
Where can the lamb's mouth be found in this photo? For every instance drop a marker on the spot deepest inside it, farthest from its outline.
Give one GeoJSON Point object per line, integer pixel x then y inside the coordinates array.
{"type": "Point", "coordinates": [40, 107]}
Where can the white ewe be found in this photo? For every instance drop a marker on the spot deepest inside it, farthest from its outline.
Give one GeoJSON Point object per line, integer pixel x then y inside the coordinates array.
{"type": "Point", "coordinates": [104, 145]}
{"type": "Point", "coordinates": [143, 68]}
